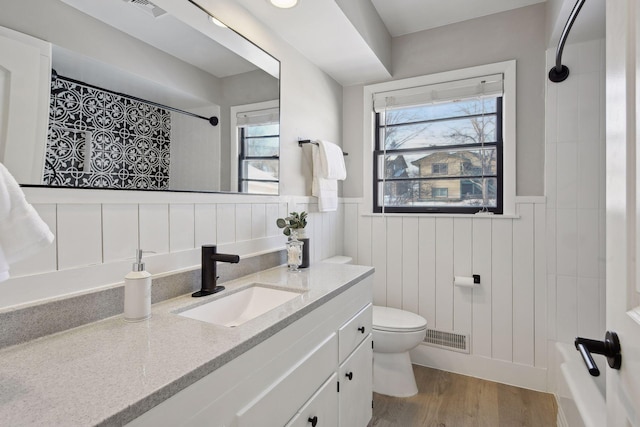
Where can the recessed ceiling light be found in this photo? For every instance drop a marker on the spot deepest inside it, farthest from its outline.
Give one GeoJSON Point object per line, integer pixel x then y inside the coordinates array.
{"type": "Point", "coordinates": [284, 4]}
{"type": "Point", "coordinates": [217, 22]}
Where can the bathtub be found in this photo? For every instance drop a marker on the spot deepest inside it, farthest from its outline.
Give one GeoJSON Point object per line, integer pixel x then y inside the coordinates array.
{"type": "Point", "coordinates": [580, 397]}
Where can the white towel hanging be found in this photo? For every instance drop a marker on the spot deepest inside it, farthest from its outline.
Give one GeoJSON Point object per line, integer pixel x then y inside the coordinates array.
{"type": "Point", "coordinates": [22, 231]}
{"type": "Point", "coordinates": [332, 161]}
{"type": "Point", "coordinates": [326, 190]}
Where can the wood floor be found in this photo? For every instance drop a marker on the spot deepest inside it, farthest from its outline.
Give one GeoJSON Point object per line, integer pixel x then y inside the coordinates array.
{"type": "Point", "coordinates": [451, 400]}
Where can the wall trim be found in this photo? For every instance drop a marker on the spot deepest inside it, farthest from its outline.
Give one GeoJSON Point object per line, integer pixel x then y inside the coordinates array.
{"type": "Point", "coordinates": [561, 419]}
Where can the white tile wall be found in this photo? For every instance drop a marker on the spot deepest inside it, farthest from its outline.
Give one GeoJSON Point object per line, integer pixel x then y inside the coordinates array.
{"type": "Point", "coordinates": [575, 188]}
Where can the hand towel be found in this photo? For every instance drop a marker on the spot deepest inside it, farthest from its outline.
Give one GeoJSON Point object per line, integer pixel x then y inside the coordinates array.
{"type": "Point", "coordinates": [326, 190]}
{"type": "Point", "coordinates": [22, 231]}
{"type": "Point", "coordinates": [332, 161]}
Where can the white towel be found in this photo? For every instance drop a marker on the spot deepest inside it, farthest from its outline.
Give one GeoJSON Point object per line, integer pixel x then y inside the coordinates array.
{"type": "Point", "coordinates": [332, 161]}
{"type": "Point", "coordinates": [326, 190]}
{"type": "Point", "coordinates": [22, 231]}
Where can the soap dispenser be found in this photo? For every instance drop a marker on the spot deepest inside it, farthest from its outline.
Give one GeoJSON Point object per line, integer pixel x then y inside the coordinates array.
{"type": "Point", "coordinates": [137, 292]}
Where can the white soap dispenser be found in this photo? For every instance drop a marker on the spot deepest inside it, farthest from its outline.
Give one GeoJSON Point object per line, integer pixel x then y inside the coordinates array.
{"type": "Point", "coordinates": [137, 292]}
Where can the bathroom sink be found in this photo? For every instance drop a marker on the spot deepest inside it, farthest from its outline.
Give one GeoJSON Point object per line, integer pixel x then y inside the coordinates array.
{"type": "Point", "coordinates": [239, 307]}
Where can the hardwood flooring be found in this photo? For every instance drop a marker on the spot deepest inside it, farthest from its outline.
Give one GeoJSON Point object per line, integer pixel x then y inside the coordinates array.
{"type": "Point", "coordinates": [451, 400]}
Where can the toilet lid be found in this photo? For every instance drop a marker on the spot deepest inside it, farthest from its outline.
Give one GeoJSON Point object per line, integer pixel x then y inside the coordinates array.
{"type": "Point", "coordinates": [394, 320]}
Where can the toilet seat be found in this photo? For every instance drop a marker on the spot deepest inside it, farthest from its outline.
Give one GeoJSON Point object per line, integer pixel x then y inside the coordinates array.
{"type": "Point", "coordinates": [393, 320]}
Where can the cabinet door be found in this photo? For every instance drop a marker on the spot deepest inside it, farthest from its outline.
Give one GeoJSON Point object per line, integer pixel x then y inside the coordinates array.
{"type": "Point", "coordinates": [356, 382]}
{"type": "Point", "coordinates": [321, 410]}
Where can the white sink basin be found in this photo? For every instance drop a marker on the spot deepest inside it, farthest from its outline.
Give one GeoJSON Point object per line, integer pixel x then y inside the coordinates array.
{"type": "Point", "coordinates": [239, 307]}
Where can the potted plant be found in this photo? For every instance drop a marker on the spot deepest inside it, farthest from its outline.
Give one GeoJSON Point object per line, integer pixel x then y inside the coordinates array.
{"type": "Point", "coordinates": [294, 222]}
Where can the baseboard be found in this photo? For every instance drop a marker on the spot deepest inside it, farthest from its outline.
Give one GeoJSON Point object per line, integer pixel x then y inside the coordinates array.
{"type": "Point", "coordinates": [500, 371]}
{"type": "Point", "coordinates": [562, 420]}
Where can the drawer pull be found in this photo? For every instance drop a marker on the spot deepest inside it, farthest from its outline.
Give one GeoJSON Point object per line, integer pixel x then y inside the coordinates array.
{"type": "Point", "coordinates": [313, 421]}
{"type": "Point", "coordinates": [349, 375]}
{"type": "Point", "coordinates": [361, 329]}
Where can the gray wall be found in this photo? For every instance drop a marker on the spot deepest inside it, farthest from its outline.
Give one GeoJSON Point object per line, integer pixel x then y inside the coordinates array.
{"type": "Point", "coordinates": [518, 34]}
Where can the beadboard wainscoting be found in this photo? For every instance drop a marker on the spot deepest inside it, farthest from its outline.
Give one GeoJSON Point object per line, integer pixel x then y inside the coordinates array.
{"type": "Point", "coordinates": [97, 232]}
{"type": "Point", "coordinates": [416, 258]}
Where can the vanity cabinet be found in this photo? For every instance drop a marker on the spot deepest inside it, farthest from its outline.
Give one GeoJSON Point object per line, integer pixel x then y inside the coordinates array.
{"type": "Point", "coordinates": [316, 371]}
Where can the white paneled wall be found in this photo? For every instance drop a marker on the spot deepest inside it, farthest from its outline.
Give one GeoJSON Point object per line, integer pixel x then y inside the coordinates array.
{"type": "Point", "coordinates": [575, 187]}
{"type": "Point", "coordinates": [416, 258]}
{"type": "Point", "coordinates": [95, 240]}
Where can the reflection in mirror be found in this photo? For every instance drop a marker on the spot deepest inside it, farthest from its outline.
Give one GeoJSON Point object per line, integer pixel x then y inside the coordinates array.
{"type": "Point", "coordinates": [138, 100]}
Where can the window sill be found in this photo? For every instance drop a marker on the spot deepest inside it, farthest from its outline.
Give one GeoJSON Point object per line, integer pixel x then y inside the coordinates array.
{"type": "Point", "coordinates": [443, 215]}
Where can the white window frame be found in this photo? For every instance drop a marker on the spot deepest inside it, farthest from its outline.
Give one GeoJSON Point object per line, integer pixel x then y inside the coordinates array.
{"type": "Point", "coordinates": [507, 68]}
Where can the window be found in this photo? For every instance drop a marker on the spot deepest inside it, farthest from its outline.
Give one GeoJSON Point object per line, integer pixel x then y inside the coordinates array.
{"type": "Point", "coordinates": [440, 192]}
{"type": "Point", "coordinates": [258, 145]}
{"type": "Point", "coordinates": [439, 168]}
{"type": "Point", "coordinates": [439, 148]}
{"type": "Point", "coordinates": [258, 162]}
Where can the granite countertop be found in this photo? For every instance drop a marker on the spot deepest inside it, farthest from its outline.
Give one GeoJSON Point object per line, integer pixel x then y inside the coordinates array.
{"type": "Point", "coordinates": [110, 372]}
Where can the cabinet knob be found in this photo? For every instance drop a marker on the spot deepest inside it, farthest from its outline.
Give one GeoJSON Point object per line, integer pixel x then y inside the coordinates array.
{"type": "Point", "coordinates": [361, 329]}
{"type": "Point", "coordinates": [349, 375]}
{"type": "Point", "coordinates": [313, 421]}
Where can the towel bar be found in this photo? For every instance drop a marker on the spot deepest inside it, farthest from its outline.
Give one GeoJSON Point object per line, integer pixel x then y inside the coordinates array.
{"type": "Point", "coordinates": [308, 141]}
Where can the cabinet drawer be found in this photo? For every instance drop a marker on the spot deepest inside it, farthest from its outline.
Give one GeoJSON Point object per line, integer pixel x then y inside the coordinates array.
{"type": "Point", "coordinates": [280, 402]}
{"type": "Point", "coordinates": [354, 331]}
{"type": "Point", "coordinates": [321, 409]}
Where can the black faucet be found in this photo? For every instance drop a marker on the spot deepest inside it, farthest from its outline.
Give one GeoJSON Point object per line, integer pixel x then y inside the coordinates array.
{"type": "Point", "coordinates": [210, 258]}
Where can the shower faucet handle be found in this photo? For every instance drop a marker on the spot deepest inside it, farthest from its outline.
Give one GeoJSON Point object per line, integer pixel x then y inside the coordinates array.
{"type": "Point", "coordinates": [610, 348]}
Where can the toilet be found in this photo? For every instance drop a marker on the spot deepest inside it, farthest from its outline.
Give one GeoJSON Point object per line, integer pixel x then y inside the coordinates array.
{"type": "Point", "coordinates": [395, 333]}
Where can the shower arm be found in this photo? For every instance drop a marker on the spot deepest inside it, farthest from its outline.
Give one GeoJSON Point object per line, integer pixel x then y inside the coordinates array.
{"type": "Point", "coordinates": [559, 72]}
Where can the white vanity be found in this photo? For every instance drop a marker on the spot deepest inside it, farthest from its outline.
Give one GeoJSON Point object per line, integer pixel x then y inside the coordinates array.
{"type": "Point", "coordinates": [305, 363]}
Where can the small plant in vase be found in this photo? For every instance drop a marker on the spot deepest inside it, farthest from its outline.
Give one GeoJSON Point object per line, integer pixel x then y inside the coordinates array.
{"type": "Point", "coordinates": [298, 245]}
{"type": "Point", "coordinates": [294, 222]}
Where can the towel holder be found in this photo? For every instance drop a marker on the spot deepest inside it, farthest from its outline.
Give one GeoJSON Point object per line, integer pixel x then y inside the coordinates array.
{"type": "Point", "coordinates": [301, 142]}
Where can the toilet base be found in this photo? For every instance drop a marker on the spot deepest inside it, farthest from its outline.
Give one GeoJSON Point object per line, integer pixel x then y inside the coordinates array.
{"type": "Point", "coordinates": [393, 374]}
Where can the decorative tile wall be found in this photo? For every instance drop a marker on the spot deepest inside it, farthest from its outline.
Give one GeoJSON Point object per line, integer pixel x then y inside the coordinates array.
{"type": "Point", "coordinates": [129, 140]}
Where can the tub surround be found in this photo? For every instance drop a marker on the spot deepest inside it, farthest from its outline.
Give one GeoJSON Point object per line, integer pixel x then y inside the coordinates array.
{"type": "Point", "coordinates": [110, 372]}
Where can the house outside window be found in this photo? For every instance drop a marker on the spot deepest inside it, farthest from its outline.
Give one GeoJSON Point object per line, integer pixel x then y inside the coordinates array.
{"type": "Point", "coordinates": [439, 148]}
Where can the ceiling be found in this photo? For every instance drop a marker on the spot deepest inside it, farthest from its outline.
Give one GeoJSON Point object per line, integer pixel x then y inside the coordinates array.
{"type": "Point", "coordinates": [351, 39]}
{"type": "Point", "coordinates": [410, 16]}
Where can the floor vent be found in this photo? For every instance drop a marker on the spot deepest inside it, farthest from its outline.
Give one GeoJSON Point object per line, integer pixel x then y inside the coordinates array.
{"type": "Point", "coordinates": [447, 340]}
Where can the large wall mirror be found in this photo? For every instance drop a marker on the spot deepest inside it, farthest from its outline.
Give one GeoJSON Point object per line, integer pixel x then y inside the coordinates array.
{"type": "Point", "coordinates": [124, 94]}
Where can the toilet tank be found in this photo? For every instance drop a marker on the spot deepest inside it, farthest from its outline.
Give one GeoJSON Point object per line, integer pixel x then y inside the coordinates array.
{"type": "Point", "coordinates": [339, 259]}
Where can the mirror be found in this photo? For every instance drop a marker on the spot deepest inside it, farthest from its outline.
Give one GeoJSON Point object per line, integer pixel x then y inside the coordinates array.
{"type": "Point", "coordinates": [137, 99]}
